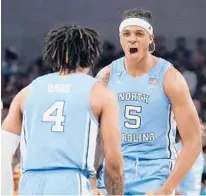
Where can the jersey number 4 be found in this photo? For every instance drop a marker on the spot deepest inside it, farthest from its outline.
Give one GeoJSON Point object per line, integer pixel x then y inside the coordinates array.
{"type": "Point", "coordinates": [55, 114]}
{"type": "Point", "coordinates": [131, 113]}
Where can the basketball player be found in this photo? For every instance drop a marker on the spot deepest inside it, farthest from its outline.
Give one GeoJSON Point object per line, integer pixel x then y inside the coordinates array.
{"type": "Point", "coordinates": [61, 114]}
{"type": "Point", "coordinates": [148, 89]}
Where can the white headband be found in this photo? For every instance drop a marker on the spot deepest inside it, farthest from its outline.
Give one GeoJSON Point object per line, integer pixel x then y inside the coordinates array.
{"type": "Point", "coordinates": [136, 21]}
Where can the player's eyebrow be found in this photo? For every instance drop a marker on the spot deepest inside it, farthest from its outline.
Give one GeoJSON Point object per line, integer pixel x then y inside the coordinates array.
{"type": "Point", "coordinates": [133, 31]}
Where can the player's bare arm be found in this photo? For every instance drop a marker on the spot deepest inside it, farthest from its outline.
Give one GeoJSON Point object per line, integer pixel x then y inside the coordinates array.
{"type": "Point", "coordinates": [110, 138]}
{"type": "Point", "coordinates": [104, 75]}
{"type": "Point", "coordinates": [11, 131]}
{"type": "Point", "coordinates": [188, 124]}
{"type": "Point", "coordinates": [110, 135]}
{"type": "Point", "coordinates": [12, 122]}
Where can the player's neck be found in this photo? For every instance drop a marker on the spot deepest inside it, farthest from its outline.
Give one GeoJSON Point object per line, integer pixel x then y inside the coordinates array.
{"type": "Point", "coordinates": [64, 72]}
{"type": "Point", "coordinates": [141, 67]}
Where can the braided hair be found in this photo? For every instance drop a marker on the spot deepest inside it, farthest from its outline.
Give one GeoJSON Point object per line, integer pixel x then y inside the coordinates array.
{"type": "Point", "coordinates": [70, 46]}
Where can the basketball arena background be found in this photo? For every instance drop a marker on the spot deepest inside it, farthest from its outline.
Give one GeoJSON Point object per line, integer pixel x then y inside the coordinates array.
{"type": "Point", "coordinates": [180, 31]}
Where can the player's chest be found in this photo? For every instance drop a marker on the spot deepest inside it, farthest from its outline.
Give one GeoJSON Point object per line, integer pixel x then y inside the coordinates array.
{"type": "Point", "coordinates": [139, 92]}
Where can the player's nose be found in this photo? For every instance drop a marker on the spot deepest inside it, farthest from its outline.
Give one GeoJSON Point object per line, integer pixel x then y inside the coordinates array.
{"type": "Point", "coordinates": [133, 39]}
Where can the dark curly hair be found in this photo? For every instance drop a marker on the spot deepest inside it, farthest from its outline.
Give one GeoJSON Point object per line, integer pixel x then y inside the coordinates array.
{"type": "Point", "coordinates": [138, 13]}
{"type": "Point", "coordinates": [70, 46]}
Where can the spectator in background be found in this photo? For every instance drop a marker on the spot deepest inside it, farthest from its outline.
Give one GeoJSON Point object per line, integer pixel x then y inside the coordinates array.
{"type": "Point", "coordinates": [107, 56]}
{"type": "Point", "coordinates": [109, 52]}
{"type": "Point", "coordinates": [202, 77]}
{"type": "Point", "coordinates": [180, 46]}
{"type": "Point", "coordinates": [201, 46]}
{"type": "Point", "coordinates": [190, 77]}
{"type": "Point", "coordinates": [10, 62]}
{"type": "Point", "coordinates": [160, 48]}
{"type": "Point", "coordinates": [34, 71]}
{"type": "Point", "coordinates": [197, 106]}
{"type": "Point", "coordinates": [201, 91]}
{"type": "Point", "coordinates": [202, 98]}
{"type": "Point", "coordinates": [198, 61]}
{"type": "Point", "coordinates": [10, 91]}
{"type": "Point", "coordinates": [21, 80]}
{"type": "Point", "coordinates": [199, 55]}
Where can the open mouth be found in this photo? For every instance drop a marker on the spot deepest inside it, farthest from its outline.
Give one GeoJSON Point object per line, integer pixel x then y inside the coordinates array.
{"type": "Point", "coordinates": [133, 51]}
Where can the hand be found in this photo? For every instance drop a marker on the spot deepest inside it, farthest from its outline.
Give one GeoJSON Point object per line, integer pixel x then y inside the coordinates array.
{"type": "Point", "coordinates": [98, 192]}
{"type": "Point", "coordinates": [159, 192]}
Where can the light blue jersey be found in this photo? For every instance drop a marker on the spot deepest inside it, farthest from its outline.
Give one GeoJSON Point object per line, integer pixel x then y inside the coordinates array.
{"type": "Point", "coordinates": [203, 191]}
{"type": "Point", "coordinates": [59, 130]}
{"type": "Point", "coordinates": [147, 127]}
{"type": "Point", "coordinates": [146, 120]}
{"type": "Point", "coordinates": [191, 184]}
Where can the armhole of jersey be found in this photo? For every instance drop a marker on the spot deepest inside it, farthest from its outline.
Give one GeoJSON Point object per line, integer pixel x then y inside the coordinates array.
{"type": "Point", "coordinates": [165, 67]}
{"type": "Point", "coordinates": [113, 69]}
{"type": "Point", "coordinates": [117, 66]}
{"type": "Point", "coordinates": [89, 104]}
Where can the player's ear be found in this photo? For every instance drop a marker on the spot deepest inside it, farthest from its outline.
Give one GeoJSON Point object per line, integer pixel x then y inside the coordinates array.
{"type": "Point", "coordinates": [151, 37]}
{"type": "Point", "coordinates": [151, 44]}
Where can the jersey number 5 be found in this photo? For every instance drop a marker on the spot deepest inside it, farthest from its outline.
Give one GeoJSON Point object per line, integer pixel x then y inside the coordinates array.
{"type": "Point", "coordinates": [55, 114]}
{"type": "Point", "coordinates": [131, 113]}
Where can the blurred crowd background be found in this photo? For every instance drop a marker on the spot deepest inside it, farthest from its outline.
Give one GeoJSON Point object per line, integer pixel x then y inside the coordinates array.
{"type": "Point", "coordinates": [179, 38]}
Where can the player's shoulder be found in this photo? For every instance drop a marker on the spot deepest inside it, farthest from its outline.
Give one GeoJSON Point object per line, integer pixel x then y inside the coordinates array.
{"type": "Point", "coordinates": [173, 77]}
{"type": "Point", "coordinates": [162, 65]}
{"type": "Point", "coordinates": [101, 92]}
{"type": "Point", "coordinates": [21, 96]}
{"type": "Point", "coordinates": [104, 75]}
{"type": "Point", "coordinates": [174, 83]}
{"type": "Point", "coordinates": [104, 71]}
{"type": "Point", "coordinates": [108, 69]}
{"type": "Point", "coordinates": [100, 97]}
{"type": "Point", "coordinates": [23, 91]}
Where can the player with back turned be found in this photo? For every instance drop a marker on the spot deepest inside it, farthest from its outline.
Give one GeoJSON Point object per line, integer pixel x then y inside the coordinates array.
{"type": "Point", "coordinates": [59, 114]}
